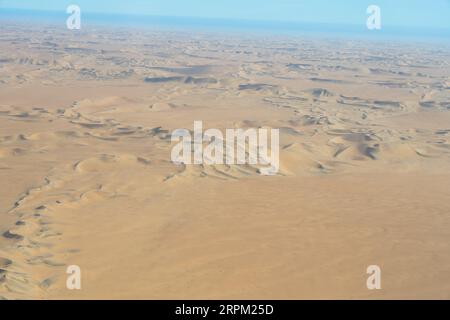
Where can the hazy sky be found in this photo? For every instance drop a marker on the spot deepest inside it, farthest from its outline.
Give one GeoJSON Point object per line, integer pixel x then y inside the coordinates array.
{"type": "Point", "coordinates": [410, 13]}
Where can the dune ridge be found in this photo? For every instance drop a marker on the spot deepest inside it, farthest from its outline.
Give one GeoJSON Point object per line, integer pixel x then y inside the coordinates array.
{"type": "Point", "coordinates": [85, 143]}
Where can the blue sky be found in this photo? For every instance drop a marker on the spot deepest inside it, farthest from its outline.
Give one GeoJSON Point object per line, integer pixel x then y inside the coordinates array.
{"type": "Point", "coordinates": [408, 13]}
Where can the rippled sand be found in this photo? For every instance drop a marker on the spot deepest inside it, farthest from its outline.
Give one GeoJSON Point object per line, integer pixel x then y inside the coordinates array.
{"type": "Point", "coordinates": [87, 179]}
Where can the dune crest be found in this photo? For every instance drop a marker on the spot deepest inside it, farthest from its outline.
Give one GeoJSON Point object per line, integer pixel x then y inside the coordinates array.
{"type": "Point", "coordinates": [85, 161]}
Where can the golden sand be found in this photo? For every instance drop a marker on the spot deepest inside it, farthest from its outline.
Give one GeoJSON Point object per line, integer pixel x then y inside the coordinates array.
{"type": "Point", "coordinates": [87, 178]}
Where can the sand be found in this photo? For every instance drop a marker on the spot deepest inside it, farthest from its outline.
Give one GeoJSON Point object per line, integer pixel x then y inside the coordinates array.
{"type": "Point", "coordinates": [87, 179]}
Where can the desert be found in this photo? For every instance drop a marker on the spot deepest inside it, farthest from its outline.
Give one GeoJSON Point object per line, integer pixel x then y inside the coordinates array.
{"type": "Point", "coordinates": [87, 178]}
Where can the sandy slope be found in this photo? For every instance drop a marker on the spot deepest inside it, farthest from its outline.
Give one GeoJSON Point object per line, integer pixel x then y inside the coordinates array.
{"type": "Point", "coordinates": [87, 179]}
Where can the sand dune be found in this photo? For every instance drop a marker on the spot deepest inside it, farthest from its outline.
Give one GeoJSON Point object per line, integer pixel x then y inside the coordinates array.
{"type": "Point", "coordinates": [85, 147]}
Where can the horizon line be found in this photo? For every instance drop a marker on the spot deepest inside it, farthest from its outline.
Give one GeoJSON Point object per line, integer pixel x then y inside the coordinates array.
{"type": "Point", "coordinates": [225, 19]}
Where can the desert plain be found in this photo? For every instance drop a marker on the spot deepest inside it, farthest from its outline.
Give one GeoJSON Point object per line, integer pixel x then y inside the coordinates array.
{"type": "Point", "coordinates": [87, 179]}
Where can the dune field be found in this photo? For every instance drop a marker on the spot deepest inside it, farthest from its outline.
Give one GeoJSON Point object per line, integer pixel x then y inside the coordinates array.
{"type": "Point", "coordinates": [87, 178]}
